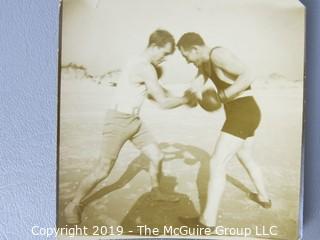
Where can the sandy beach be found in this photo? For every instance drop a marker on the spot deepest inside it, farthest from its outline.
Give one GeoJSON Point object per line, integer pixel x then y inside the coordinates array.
{"type": "Point", "coordinates": [187, 137]}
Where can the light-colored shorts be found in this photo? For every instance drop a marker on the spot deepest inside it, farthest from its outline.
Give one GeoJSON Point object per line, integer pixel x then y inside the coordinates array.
{"type": "Point", "coordinates": [120, 127]}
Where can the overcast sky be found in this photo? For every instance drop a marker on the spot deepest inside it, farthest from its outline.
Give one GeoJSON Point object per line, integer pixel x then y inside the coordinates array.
{"type": "Point", "coordinates": [268, 35]}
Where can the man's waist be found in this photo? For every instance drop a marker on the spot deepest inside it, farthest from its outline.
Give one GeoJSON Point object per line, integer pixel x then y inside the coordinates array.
{"type": "Point", "coordinates": [246, 93]}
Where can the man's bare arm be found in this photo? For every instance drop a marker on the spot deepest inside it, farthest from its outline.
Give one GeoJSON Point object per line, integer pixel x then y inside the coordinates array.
{"type": "Point", "coordinates": [197, 85]}
{"type": "Point", "coordinates": [227, 62]}
{"type": "Point", "coordinates": [158, 94]}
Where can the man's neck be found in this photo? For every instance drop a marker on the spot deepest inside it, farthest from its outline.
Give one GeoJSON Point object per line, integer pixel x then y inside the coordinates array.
{"type": "Point", "coordinates": [205, 52]}
{"type": "Point", "coordinates": [148, 55]}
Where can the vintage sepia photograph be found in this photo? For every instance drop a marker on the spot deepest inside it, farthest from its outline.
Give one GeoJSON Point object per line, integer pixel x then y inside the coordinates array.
{"type": "Point", "coordinates": [181, 119]}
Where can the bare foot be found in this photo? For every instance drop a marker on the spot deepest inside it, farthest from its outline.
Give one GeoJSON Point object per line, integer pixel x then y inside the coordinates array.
{"type": "Point", "coordinates": [72, 213]}
{"type": "Point", "coordinates": [263, 202]}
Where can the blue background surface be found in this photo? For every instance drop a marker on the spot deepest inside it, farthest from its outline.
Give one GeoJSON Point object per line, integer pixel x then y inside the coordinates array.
{"type": "Point", "coordinates": [28, 99]}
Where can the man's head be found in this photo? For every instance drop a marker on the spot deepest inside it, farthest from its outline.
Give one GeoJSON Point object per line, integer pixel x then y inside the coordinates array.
{"type": "Point", "coordinates": [161, 44]}
{"type": "Point", "coordinates": [191, 46]}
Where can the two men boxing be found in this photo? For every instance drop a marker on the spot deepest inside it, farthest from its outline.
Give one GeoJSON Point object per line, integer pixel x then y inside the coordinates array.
{"type": "Point", "coordinates": [139, 78]}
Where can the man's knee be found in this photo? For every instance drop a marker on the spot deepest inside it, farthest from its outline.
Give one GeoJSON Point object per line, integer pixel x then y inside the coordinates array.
{"type": "Point", "coordinates": [156, 158]}
{"type": "Point", "coordinates": [154, 153]}
{"type": "Point", "coordinates": [244, 154]}
{"type": "Point", "coordinates": [241, 153]}
{"type": "Point", "coordinates": [217, 164]}
{"type": "Point", "coordinates": [221, 158]}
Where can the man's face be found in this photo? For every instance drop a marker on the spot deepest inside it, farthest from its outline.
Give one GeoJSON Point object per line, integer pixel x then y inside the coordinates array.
{"type": "Point", "coordinates": [161, 53]}
{"type": "Point", "coordinates": [191, 56]}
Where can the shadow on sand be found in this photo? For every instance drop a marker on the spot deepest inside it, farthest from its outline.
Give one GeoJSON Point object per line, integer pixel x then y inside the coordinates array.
{"type": "Point", "coordinates": [152, 211]}
{"type": "Point", "coordinates": [158, 213]}
{"type": "Point", "coordinates": [191, 155]}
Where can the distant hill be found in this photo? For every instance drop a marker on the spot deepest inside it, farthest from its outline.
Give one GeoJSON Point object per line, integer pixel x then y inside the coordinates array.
{"type": "Point", "coordinates": [76, 71]}
{"type": "Point", "coordinates": [110, 78]}
{"type": "Point", "coordinates": [277, 80]}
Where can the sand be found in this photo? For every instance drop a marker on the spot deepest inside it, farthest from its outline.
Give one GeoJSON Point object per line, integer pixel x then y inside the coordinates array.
{"type": "Point", "coordinates": [187, 136]}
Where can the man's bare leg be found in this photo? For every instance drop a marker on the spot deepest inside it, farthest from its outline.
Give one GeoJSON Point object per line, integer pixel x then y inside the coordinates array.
{"type": "Point", "coordinates": [154, 153]}
{"type": "Point", "coordinates": [225, 150]}
{"type": "Point", "coordinates": [72, 212]}
{"type": "Point", "coordinates": [246, 157]}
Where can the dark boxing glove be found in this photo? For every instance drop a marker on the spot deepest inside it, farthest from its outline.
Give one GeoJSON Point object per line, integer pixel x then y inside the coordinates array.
{"type": "Point", "coordinates": [222, 96]}
{"type": "Point", "coordinates": [210, 100]}
{"type": "Point", "coordinates": [191, 97]}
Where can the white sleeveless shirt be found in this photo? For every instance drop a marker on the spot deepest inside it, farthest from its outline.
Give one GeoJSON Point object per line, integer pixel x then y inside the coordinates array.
{"type": "Point", "coordinates": [131, 90]}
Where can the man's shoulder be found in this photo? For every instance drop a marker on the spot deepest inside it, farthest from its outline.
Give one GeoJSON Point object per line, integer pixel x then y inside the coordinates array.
{"type": "Point", "coordinates": [217, 52]}
{"type": "Point", "coordinates": [138, 63]}
{"type": "Point", "coordinates": [219, 55]}
{"type": "Point", "coordinates": [139, 66]}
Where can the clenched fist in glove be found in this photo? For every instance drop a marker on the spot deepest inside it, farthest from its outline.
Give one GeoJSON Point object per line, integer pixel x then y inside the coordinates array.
{"type": "Point", "coordinates": [191, 97]}
{"type": "Point", "coordinates": [210, 100]}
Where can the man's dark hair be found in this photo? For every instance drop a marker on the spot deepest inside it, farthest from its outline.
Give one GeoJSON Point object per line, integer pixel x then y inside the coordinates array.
{"type": "Point", "coordinates": [189, 40]}
{"type": "Point", "coordinates": [160, 38]}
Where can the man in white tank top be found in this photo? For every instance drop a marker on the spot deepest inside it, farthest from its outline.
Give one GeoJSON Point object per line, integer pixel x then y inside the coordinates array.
{"type": "Point", "coordinates": [122, 123]}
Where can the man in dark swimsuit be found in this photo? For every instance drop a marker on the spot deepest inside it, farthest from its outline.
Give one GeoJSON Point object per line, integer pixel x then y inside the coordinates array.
{"type": "Point", "coordinates": [232, 81]}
